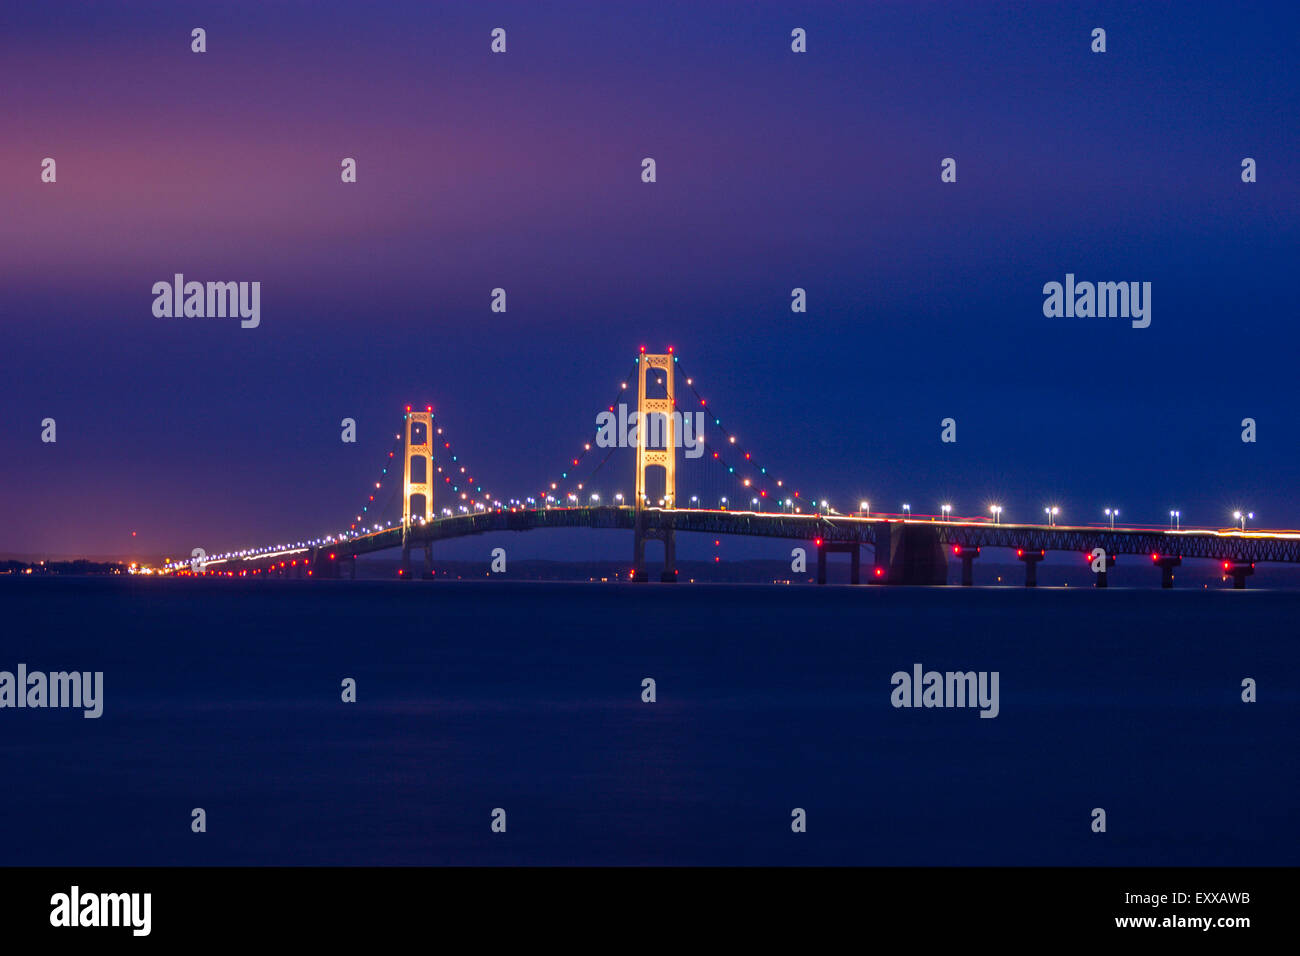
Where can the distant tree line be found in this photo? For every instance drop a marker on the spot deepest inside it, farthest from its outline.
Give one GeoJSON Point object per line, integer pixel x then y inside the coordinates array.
{"type": "Point", "coordinates": [80, 566]}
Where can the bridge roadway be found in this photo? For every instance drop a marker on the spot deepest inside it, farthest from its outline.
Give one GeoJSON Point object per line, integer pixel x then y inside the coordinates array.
{"type": "Point", "coordinates": [909, 551]}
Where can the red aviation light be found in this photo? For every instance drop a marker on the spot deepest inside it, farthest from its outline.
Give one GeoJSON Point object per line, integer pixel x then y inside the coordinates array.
{"type": "Point", "coordinates": [818, 542]}
{"type": "Point", "coordinates": [880, 572]}
{"type": "Point", "coordinates": [1020, 552]}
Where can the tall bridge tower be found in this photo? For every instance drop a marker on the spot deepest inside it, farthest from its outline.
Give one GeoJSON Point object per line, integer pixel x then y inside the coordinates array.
{"type": "Point", "coordinates": [418, 435]}
{"type": "Point", "coordinates": [655, 421]}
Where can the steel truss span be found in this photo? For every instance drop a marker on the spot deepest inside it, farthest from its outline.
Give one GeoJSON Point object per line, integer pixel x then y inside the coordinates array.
{"type": "Point", "coordinates": [1212, 545]}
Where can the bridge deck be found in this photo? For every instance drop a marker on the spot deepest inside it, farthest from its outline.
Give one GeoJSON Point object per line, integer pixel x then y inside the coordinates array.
{"type": "Point", "coordinates": [1251, 546]}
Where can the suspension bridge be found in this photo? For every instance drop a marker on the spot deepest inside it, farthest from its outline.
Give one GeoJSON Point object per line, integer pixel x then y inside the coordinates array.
{"type": "Point", "coordinates": [905, 549]}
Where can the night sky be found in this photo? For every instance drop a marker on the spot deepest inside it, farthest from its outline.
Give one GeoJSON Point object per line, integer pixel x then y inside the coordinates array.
{"type": "Point", "coordinates": [775, 170]}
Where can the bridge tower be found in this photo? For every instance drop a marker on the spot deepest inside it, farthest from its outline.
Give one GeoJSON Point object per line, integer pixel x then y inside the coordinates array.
{"type": "Point", "coordinates": [655, 420]}
{"type": "Point", "coordinates": [418, 434]}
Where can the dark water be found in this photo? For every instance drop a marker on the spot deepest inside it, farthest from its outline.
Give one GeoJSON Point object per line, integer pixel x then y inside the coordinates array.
{"type": "Point", "coordinates": [527, 697]}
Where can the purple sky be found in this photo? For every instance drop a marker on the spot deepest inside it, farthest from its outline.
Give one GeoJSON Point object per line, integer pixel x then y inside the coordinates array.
{"type": "Point", "coordinates": [775, 170]}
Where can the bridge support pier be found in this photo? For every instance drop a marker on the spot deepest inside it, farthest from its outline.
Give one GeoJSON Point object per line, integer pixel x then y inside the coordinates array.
{"type": "Point", "coordinates": [854, 551]}
{"type": "Point", "coordinates": [406, 562]}
{"type": "Point", "coordinates": [909, 554]}
{"type": "Point", "coordinates": [1240, 570]}
{"type": "Point", "coordinates": [1166, 564]}
{"type": "Point", "coordinates": [644, 532]}
{"type": "Point", "coordinates": [329, 564]}
{"type": "Point", "coordinates": [1031, 559]}
{"type": "Point", "coordinates": [968, 556]}
{"type": "Point", "coordinates": [1102, 580]}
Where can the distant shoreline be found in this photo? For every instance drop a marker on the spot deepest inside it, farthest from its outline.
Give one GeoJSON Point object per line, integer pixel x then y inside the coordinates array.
{"type": "Point", "coordinates": [1132, 573]}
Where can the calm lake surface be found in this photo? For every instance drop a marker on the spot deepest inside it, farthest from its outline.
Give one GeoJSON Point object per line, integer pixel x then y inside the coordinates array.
{"type": "Point", "coordinates": [527, 697]}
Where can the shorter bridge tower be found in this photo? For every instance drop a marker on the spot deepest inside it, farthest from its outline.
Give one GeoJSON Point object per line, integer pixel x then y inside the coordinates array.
{"type": "Point", "coordinates": [417, 430]}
